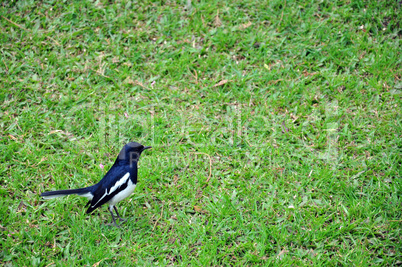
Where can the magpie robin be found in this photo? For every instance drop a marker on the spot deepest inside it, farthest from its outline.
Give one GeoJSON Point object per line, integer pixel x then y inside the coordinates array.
{"type": "Point", "coordinates": [118, 183]}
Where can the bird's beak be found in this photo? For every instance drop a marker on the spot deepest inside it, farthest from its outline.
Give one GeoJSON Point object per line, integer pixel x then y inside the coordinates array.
{"type": "Point", "coordinates": [146, 147]}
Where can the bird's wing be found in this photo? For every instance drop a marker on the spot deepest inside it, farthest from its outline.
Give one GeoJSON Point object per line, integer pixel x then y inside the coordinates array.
{"type": "Point", "coordinates": [114, 181]}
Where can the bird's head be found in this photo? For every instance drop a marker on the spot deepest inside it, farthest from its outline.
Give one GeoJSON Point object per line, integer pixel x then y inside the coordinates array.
{"type": "Point", "coordinates": [131, 152]}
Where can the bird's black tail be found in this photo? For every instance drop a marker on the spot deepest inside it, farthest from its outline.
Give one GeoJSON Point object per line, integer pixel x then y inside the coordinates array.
{"type": "Point", "coordinates": [84, 192]}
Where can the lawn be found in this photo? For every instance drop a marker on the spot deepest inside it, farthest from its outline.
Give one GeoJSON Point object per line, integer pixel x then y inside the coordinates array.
{"type": "Point", "coordinates": [275, 125]}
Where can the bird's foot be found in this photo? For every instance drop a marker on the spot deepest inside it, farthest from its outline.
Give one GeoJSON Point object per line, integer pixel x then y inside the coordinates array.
{"type": "Point", "coordinates": [123, 220]}
{"type": "Point", "coordinates": [113, 224]}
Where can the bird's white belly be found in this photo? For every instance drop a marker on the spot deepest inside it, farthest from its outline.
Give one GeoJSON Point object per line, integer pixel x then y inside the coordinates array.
{"type": "Point", "coordinates": [123, 194]}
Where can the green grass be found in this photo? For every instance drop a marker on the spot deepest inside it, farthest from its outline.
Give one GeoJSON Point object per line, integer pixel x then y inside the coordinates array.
{"type": "Point", "coordinates": [275, 125]}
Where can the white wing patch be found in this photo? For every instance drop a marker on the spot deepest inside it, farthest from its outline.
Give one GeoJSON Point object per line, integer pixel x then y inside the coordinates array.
{"type": "Point", "coordinates": [123, 194]}
{"type": "Point", "coordinates": [119, 183]}
{"type": "Point", "coordinates": [104, 195]}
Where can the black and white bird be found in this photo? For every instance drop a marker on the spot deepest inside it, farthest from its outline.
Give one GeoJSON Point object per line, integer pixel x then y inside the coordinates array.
{"type": "Point", "coordinates": [118, 183]}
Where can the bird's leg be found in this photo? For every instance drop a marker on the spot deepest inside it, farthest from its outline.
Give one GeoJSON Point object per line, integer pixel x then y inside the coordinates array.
{"type": "Point", "coordinates": [114, 220]}
{"type": "Point", "coordinates": [118, 215]}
